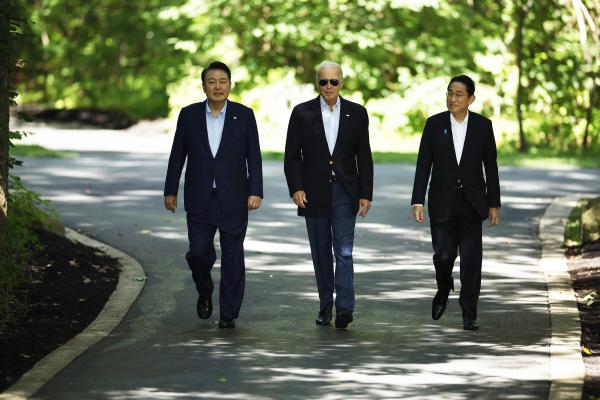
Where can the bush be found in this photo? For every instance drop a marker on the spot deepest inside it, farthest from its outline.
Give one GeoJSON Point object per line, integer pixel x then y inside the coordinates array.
{"type": "Point", "coordinates": [26, 210]}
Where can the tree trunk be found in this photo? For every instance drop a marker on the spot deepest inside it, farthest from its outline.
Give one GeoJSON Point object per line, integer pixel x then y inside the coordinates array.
{"type": "Point", "coordinates": [519, 49]}
{"type": "Point", "coordinates": [589, 113]}
{"type": "Point", "coordinates": [5, 66]}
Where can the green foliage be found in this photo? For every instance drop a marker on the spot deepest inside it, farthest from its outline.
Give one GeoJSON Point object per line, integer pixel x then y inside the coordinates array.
{"type": "Point", "coordinates": [557, 78]}
{"type": "Point", "coordinates": [573, 231]}
{"type": "Point", "coordinates": [382, 42]}
{"type": "Point", "coordinates": [583, 225]}
{"type": "Point", "coordinates": [26, 211]}
{"type": "Point", "coordinates": [109, 54]}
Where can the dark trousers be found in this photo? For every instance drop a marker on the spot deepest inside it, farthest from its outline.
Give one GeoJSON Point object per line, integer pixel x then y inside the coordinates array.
{"type": "Point", "coordinates": [460, 234]}
{"type": "Point", "coordinates": [334, 231]}
{"type": "Point", "coordinates": [202, 255]}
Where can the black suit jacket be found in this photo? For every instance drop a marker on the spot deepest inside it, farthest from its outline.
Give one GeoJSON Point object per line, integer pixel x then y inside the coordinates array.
{"type": "Point", "coordinates": [438, 158]}
{"type": "Point", "coordinates": [308, 164]}
{"type": "Point", "coordinates": [236, 168]}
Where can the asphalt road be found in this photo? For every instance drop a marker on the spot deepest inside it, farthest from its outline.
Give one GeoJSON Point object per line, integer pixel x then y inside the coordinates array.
{"type": "Point", "coordinates": [393, 349]}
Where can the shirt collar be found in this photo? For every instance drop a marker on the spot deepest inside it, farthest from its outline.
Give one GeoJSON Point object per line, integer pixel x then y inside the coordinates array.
{"type": "Point", "coordinates": [454, 121]}
{"type": "Point", "coordinates": [324, 105]}
{"type": "Point", "coordinates": [221, 113]}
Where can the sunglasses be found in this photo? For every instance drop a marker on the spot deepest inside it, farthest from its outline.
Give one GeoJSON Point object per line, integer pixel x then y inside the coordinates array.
{"type": "Point", "coordinates": [334, 82]}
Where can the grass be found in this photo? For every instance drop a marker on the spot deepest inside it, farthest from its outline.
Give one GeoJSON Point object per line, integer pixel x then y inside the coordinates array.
{"type": "Point", "coordinates": [35, 151]}
{"type": "Point", "coordinates": [583, 225]}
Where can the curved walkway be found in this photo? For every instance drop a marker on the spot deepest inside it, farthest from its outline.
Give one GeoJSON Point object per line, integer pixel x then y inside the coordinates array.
{"type": "Point", "coordinates": [131, 282]}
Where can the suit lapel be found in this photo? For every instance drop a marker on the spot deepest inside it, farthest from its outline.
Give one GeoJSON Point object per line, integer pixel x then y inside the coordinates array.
{"type": "Point", "coordinates": [318, 118]}
{"type": "Point", "coordinates": [203, 132]}
{"type": "Point", "coordinates": [448, 128]}
{"type": "Point", "coordinates": [468, 136]}
{"type": "Point", "coordinates": [345, 119]}
{"type": "Point", "coordinates": [231, 116]}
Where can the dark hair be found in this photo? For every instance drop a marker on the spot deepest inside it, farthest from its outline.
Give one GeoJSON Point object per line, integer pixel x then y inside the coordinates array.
{"type": "Point", "coordinates": [467, 81]}
{"type": "Point", "coordinates": [216, 65]}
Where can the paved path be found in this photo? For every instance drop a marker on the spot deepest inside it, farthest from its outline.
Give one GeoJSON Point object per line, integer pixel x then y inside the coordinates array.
{"type": "Point", "coordinates": [393, 349]}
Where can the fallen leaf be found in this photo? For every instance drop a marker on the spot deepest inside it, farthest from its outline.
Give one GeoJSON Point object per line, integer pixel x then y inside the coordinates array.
{"type": "Point", "coordinates": [146, 231]}
{"type": "Point", "coordinates": [86, 279]}
{"type": "Point", "coordinates": [586, 350]}
{"type": "Point", "coordinates": [222, 379]}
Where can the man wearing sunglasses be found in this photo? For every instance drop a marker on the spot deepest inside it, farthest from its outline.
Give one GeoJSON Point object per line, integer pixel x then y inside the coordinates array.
{"type": "Point", "coordinates": [329, 172]}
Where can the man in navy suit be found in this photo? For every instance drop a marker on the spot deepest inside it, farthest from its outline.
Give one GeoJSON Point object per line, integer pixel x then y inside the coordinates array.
{"type": "Point", "coordinates": [223, 180]}
{"type": "Point", "coordinates": [457, 146]}
{"type": "Point", "coordinates": [329, 172]}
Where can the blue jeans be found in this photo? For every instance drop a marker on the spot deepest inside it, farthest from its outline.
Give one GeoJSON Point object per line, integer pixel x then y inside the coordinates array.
{"type": "Point", "coordinates": [334, 231]}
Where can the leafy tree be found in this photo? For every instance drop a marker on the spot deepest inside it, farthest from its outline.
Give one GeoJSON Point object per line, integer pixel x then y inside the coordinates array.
{"type": "Point", "coordinates": [11, 18]}
{"type": "Point", "coordinates": [106, 53]}
{"type": "Point", "coordinates": [381, 41]}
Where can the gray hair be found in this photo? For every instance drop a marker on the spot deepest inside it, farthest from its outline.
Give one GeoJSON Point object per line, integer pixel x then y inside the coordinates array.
{"type": "Point", "coordinates": [329, 64]}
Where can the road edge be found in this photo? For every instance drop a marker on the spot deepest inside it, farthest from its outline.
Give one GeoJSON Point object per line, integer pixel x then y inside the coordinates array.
{"type": "Point", "coordinates": [131, 281]}
{"type": "Point", "coordinates": [567, 370]}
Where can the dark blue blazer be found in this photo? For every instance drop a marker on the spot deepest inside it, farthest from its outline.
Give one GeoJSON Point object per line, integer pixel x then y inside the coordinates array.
{"type": "Point", "coordinates": [236, 168]}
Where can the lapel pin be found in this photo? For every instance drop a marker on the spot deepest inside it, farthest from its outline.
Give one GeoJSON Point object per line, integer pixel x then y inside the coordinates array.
{"type": "Point", "coordinates": [445, 131]}
{"type": "Point", "coordinates": [347, 115]}
{"type": "Point", "coordinates": [234, 117]}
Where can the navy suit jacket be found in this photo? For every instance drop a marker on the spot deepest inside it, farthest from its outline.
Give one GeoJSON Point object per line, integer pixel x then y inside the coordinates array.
{"type": "Point", "coordinates": [438, 158]}
{"type": "Point", "coordinates": [308, 165]}
{"type": "Point", "coordinates": [236, 168]}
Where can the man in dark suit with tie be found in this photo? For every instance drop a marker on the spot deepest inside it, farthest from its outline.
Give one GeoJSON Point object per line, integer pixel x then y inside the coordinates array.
{"type": "Point", "coordinates": [329, 172]}
{"type": "Point", "coordinates": [456, 147]}
{"type": "Point", "coordinates": [223, 180]}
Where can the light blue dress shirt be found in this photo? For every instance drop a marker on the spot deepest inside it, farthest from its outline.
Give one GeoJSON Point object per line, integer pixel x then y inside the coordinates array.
{"type": "Point", "coordinates": [214, 127]}
{"type": "Point", "coordinates": [331, 122]}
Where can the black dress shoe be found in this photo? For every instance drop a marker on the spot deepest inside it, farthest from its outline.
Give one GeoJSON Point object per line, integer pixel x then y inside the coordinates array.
{"type": "Point", "coordinates": [204, 307]}
{"type": "Point", "coordinates": [470, 324]}
{"type": "Point", "coordinates": [324, 316]}
{"type": "Point", "coordinates": [342, 319]}
{"type": "Point", "coordinates": [440, 301]}
{"type": "Point", "coordinates": [225, 323]}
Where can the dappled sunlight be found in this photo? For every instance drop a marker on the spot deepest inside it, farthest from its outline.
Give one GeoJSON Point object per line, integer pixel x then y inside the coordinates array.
{"type": "Point", "coordinates": [392, 349]}
{"type": "Point", "coordinates": [274, 247]}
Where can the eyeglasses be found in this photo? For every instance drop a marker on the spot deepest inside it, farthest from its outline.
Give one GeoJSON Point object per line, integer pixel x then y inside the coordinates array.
{"type": "Point", "coordinates": [457, 96]}
{"type": "Point", "coordinates": [334, 82]}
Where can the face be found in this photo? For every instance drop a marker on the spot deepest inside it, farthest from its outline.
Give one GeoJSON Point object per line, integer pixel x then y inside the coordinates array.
{"type": "Point", "coordinates": [329, 92]}
{"type": "Point", "coordinates": [216, 85]}
{"type": "Point", "coordinates": [457, 98]}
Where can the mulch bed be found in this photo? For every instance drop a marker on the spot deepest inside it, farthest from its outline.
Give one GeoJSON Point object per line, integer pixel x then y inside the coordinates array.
{"type": "Point", "coordinates": [71, 283]}
{"type": "Point", "coordinates": [584, 267]}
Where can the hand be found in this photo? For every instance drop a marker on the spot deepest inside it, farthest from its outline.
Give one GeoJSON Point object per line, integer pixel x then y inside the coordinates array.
{"type": "Point", "coordinates": [494, 216]}
{"type": "Point", "coordinates": [299, 198]}
{"type": "Point", "coordinates": [171, 203]}
{"type": "Point", "coordinates": [418, 214]}
{"type": "Point", "coordinates": [363, 207]}
{"type": "Point", "coordinates": [254, 202]}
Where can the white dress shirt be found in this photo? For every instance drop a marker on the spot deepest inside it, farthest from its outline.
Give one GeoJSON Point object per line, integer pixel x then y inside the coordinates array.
{"type": "Point", "coordinates": [331, 122]}
{"type": "Point", "coordinates": [459, 132]}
